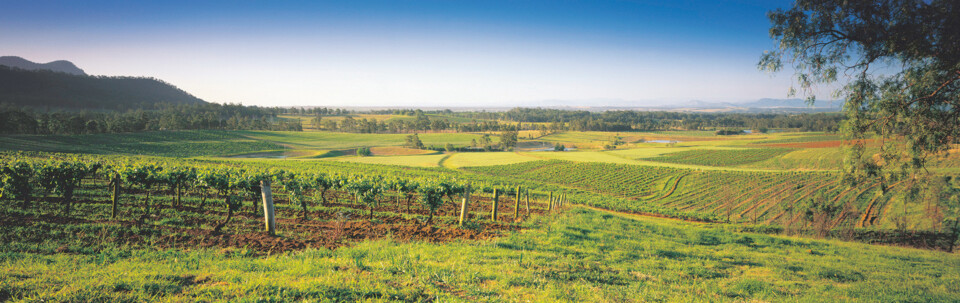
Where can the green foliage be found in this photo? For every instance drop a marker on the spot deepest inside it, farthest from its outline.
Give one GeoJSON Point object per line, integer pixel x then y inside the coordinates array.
{"type": "Point", "coordinates": [62, 177]}
{"type": "Point", "coordinates": [508, 139]}
{"type": "Point", "coordinates": [908, 98]}
{"type": "Point", "coordinates": [364, 152]}
{"type": "Point", "coordinates": [413, 141]}
{"type": "Point", "coordinates": [18, 178]}
{"type": "Point", "coordinates": [431, 196]}
{"type": "Point", "coordinates": [295, 185]}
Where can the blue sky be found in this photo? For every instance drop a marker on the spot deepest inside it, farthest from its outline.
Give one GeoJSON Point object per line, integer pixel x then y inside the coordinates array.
{"type": "Point", "coordinates": [413, 53]}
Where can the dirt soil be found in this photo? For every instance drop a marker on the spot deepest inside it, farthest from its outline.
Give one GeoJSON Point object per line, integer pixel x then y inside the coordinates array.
{"type": "Point", "coordinates": [319, 228]}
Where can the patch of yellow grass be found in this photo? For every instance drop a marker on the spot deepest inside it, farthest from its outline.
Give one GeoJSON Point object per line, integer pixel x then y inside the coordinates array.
{"type": "Point", "coordinates": [486, 159]}
{"type": "Point", "coordinates": [399, 151]}
{"type": "Point", "coordinates": [413, 160]}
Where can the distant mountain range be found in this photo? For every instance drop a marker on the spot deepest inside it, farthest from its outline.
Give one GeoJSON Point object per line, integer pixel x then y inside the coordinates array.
{"type": "Point", "coordinates": [61, 84]}
{"type": "Point", "coordinates": [764, 103]}
{"type": "Point", "coordinates": [60, 66]}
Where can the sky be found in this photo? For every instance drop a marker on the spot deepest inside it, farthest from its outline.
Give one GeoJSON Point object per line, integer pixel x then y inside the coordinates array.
{"type": "Point", "coordinates": [413, 53]}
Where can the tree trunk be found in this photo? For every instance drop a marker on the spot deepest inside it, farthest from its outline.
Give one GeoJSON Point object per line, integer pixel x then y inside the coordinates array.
{"type": "Point", "coordinates": [220, 225]}
{"type": "Point", "coordinates": [303, 207]}
{"type": "Point", "coordinates": [323, 197]}
{"type": "Point", "coordinates": [68, 199]}
{"type": "Point", "coordinates": [147, 202]}
{"type": "Point", "coordinates": [956, 235]}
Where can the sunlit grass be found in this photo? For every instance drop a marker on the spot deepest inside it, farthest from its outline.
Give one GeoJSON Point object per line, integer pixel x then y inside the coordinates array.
{"type": "Point", "coordinates": [580, 256]}
{"type": "Point", "coordinates": [486, 158]}
{"type": "Point", "coordinates": [412, 160]}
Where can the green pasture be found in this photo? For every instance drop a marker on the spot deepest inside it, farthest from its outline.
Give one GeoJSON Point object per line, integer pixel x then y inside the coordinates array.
{"type": "Point", "coordinates": [432, 160]}
{"type": "Point", "coordinates": [457, 160]}
{"type": "Point", "coordinates": [581, 255]}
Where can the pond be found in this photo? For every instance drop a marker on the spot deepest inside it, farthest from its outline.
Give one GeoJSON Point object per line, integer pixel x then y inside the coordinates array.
{"type": "Point", "coordinates": [551, 149]}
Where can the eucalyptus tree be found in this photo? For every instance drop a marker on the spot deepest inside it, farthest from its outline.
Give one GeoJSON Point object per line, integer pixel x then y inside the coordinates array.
{"type": "Point", "coordinates": [897, 66]}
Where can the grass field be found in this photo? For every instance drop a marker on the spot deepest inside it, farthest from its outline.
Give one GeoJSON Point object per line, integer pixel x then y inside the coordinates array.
{"type": "Point", "coordinates": [580, 256]}
{"type": "Point", "coordinates": [486, 158]}
{"type": "Point", "coordinates": [432, 160]}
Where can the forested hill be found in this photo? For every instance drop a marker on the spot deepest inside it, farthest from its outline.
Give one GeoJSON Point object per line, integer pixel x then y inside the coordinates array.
{"type": "Point", "coordinates": [43, 88]}
{"type": "Point", "coordinates": [61, 66]}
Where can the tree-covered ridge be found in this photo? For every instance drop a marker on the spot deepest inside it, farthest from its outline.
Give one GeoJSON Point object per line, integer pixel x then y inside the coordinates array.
{"type": "Point", "coordinates": [45, 88]}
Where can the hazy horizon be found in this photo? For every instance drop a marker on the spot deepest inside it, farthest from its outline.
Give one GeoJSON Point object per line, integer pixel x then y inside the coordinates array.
{"type": "Point", "coordinates": [415, 53]}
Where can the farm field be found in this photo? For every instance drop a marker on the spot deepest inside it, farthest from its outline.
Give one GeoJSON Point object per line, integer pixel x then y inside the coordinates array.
{"type": "Point", "coordinates": [333, 140]}
{"type": "Point", "coordinates": [410, 160]}
{"type": "Point", "coordinates": [609, 244]}
{"type": "Point", "coordinates": [480, 151]}
{"type": "Point", "coordinates": [459, 160]}
{"type": "Point", "coordinates": [161, 143]}
{"type": "Point", "coordinates": [772, 198]}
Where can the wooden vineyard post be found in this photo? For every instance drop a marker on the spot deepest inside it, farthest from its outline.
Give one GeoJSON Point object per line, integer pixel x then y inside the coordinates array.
{"type": "Point", "coordinates": [268, 208]}
{"type": "Point", "coordinates": [550, 203]}
{"type": "Point", "coordinates": [464, 206]}
{"type": "Point", "coordinates": [516, 205]}
{"type": "Point", "coordinates": [526, 192]}
{"type": "Point", "coordinates": [116, 195]}
{"type": "Point", "coordinates": [496, 198]}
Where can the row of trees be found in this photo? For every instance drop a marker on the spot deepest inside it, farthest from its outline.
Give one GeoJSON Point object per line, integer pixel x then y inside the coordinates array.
{"type": "Point", "coordinates": [626, 120]}
{"type": "Point", "coordinates": [162, 116]}
{"type": "Point", "coordinates": [21, 120]}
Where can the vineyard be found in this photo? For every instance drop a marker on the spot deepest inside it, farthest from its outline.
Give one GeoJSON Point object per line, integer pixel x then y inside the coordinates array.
{"type": "Point", "coordinates": [61, 203]}
{"type": "Point", "coordinates": [160, 143]}
{"type": "Point", "coordinates": [161, 228]}
{"type": "Point", "coordinates": [811, 201]}
{"type": "Point", "coordinates": [727, 157]}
